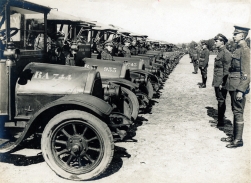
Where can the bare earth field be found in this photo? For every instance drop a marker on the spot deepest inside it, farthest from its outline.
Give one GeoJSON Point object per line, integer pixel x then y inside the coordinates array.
{"type": "Point", "coordinates": [175, 142]}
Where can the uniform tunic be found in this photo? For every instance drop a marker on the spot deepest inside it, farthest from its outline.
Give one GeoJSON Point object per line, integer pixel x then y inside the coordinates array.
{"type": "Point", "coordinates": [126, 51]}
{"type": "Point", "coordinates": [195, 57]}
{"type": "Point", "coordinates": [221, 67]}
{"type": "Point", "coordinates": [204, 58]}
{"type": "Point", "coordinates": [59, 56]}
{"type": "Point", "coordinates": [194, 54]}
{"type": "Point", "coordinates": [203, 62]}
{"type": "Point", "coordinates": [240, 67]}
{"type": "Point", "coordinates": [105, 55]}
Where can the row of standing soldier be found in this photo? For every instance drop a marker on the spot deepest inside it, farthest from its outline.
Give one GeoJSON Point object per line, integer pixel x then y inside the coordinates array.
{"type": "Point", "coordinates": [231, 74]}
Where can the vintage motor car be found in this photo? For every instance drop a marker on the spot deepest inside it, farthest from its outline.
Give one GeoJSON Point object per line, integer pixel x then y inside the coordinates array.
{"type": "Point", "coordinates": [77, 41]}
{"type": "Point", "coordinates": [65, 104]}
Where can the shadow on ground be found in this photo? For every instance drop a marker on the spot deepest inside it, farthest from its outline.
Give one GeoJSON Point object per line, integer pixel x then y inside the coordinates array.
{"type": "Point", "coordinates": [21, 160]}
{"type": "Point", "coordinates": [228, 127]}
{"type": "Point", "coordinates": [116, 164]}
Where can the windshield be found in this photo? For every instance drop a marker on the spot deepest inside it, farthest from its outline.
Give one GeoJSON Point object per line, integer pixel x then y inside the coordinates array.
{"type": "Point", "coordinates": [30, 34]}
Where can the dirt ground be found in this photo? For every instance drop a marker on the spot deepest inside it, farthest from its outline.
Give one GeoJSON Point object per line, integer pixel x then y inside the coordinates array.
{"type": "Point", "coordinates": [175, 142]}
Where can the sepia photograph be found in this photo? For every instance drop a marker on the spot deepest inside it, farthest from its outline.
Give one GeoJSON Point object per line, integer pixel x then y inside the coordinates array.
{"type": "Point", "coordinates": [128, 91]}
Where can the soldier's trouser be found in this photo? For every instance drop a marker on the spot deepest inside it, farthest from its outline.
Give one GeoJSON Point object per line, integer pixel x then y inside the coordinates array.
{"type": "Point", "coordinates": [237, 106]}
{"type": "Point", "coordinates": [195, 65]}
{"type": "Point", "coordinates": [221, 97]}
{"type": "Point", "coordinates": [204, 75]}
{"type": "Point", "coordinates": [203, 72]}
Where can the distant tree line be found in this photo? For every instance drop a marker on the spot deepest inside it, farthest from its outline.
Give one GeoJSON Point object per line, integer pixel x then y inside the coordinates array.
{"type": "Point", "coordinates": [211, 46]}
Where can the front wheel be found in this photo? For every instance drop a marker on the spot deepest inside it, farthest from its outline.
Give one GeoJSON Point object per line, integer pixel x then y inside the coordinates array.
{"type": "Point", "coordinates": [77, 145]}
{"type": "Point", "coordinates": [131, 100]}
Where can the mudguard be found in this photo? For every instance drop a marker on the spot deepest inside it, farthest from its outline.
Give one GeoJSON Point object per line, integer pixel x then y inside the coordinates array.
{"type": "Point", "coordinates": [153, 79]}
{"type": "Point", "coordinates": [147, 73]}
{"type": "Point", "coordinates": [94, 104]}
{"type": "Point", "coordinates": [133, 63]}
{"type": "Point", "coordinates": [159, 66]}
{"type": "Point", "coordinates": [108, 68]}
{"type": "Point", "coordinates": [147, 60]}
{"type": "Point", "coordinates": [122, 82]}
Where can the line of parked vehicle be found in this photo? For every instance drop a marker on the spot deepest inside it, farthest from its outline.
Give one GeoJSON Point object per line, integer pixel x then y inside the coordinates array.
{"type": "Point", "coordinates": [79, 112]}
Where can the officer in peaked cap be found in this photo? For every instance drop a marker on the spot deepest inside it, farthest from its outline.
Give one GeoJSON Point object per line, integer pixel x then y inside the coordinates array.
{"type": "Point", "coordinates": [203, 63]}
{"type": "Point", "coordinates": [125, 50]}
{"type": "Point", "coordinates": [134, 47]}
{"type": "Point", "coordinates": [237, 84]}
{"type": "Point", "coordinates": [194, 53]}
{"type": "Point", "coordinates": [221, 67]}
{"type": "Point", "coordinates": [59, 39]}
{"type": "Point", "coordinates": [59, 54]}
{"type": "Point", "coordinates": [106, 54]}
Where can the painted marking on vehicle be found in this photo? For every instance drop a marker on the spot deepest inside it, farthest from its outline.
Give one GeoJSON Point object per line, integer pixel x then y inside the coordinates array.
{"type": "Point", "coordinates": [41, 75]}
{"type": "Point", "coordinates": [110, 69]}
{"type": "Point", "coordinates": [133, 64]}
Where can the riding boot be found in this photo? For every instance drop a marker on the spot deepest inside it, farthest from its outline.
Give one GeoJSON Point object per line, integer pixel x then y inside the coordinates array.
{"type": "Point", "coordinates": [238, 130]}
{"type": "Point", "coordinates": [230, 137]}
{"type": "Point", "coordinates": [205, 81]}
{"type": "Point", "coordinates": [203, 85]}
{"type": "Point", "coordinates": [221, 113]}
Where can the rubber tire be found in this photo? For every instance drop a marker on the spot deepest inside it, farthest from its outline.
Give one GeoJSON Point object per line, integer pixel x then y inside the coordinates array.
{"type": "Point", "coordinates": [133, 102]}
{"type": "Point", "coordinates": [104, 133]}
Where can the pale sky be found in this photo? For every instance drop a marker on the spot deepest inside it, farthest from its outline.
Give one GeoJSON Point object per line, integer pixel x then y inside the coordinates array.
{"type": "Point", "coordinates": [174, 21]}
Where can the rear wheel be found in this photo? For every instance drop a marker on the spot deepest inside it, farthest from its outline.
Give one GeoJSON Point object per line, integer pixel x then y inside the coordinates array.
{"type": "Point", "coordinates": [131, 99]}
{"type": "Point", "coordinates": [77, 145]}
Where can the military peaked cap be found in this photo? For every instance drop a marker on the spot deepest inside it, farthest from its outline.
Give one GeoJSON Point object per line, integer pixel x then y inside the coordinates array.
{"type": "Point", "coordinates": [239, 29]}
{"type": "Point", "coordinates": [204, 42]}
{"type": "Point", "coordinates": [221, 37]}
{"type": "Point", "coordinates": [127, 41]}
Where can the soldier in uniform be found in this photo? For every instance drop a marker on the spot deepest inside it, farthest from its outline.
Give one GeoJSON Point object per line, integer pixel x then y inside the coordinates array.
{"type": "Point", "coordinates": [190, 55]}
{"type": "Point", "coordinates": [248, 42]}
{"type": "Point", "coordinates": [59, 54]}
{"type": "Point", "coordinates": [195, 57]}
{"type": "Point", "coordinates": [221, 67]}
{"type": "Point", "coordinates": [126, 51]}
{"type": "Point", "coordinates": [237, 84]}
{"type": "Point", "coordinates": [134, 47]}
{"type": "Point", "coordinates": [203, 63]}
{"type": "Point", "coordinates": [106, 54]}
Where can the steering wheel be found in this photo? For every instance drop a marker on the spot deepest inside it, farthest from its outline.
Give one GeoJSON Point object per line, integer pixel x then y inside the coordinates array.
{"type": "Point", "coordinates": [14, 29]}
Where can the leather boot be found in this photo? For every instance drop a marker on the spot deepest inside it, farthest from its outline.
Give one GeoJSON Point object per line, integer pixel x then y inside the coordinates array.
{"type": "Point", "coordinates": [238, 130]}
{"type": "Point", "coordinates": [205, 81]}
{"type": "Point", "coordinates": [202, 86]}
{"type": "Point", "coordinates": [220, 123]}
{"type": "Point", "coordinates": [221, 112]}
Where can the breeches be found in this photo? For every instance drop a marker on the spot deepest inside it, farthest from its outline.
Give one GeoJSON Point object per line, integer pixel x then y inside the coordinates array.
{"type": "Point", "coordinates": [203, 72]}
{"type": "Point", "coordinates": [195, 63]}
{"type": "Point", "coordinates": [221, 97]}
{"type": "Point", "coordinates": [237, 106]}
{"type": "Point", "coordinates": [220, 94]}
